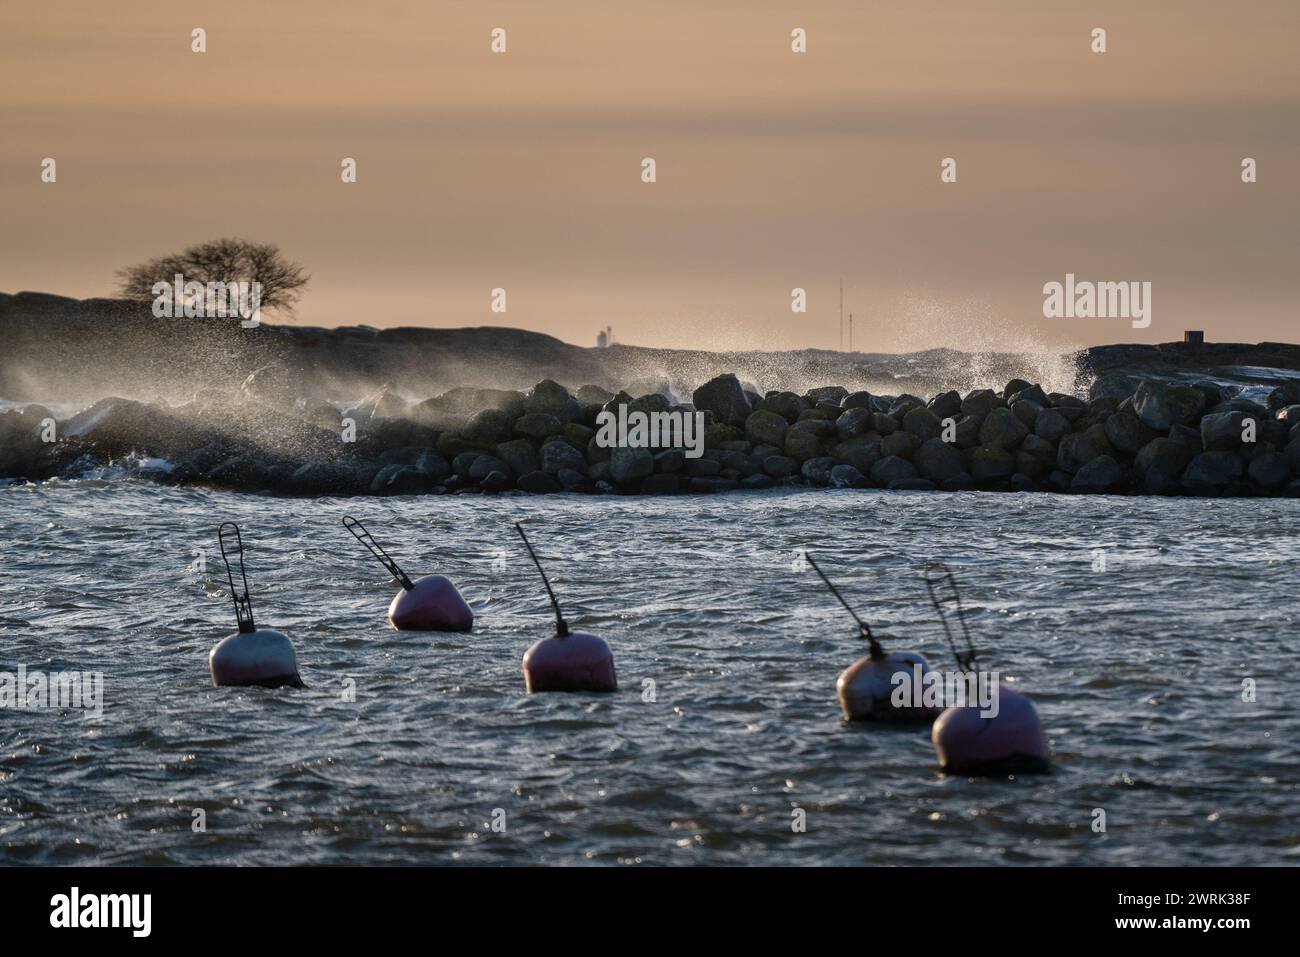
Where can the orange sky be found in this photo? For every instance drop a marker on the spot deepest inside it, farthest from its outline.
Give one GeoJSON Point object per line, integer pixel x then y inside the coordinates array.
{"type": "Point", "coordinates": [775, 170]}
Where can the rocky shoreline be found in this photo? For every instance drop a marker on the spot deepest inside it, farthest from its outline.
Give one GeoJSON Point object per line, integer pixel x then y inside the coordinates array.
{"type": "Point", "coordinates": [1157, 438]}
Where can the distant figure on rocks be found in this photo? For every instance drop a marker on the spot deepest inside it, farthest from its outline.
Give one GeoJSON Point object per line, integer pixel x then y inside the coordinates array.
{"type": "Point", "coordinates": [605, 338]}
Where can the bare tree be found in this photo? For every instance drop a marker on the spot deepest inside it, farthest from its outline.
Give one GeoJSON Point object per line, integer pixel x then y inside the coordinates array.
{"type": "Point", "coordinates": [222, 261]}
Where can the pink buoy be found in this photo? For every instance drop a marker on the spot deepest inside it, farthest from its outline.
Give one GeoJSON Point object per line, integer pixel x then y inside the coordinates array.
{"type": "Point", "coordinates": [883, 686]}
{"type": "Point", "coordinates": [870, 689]}
{"type": "Point", "coordinates": [432, 603]}
{"type": "Point", "coordinates": [1001, 737]}
{"type": "Point", "coordinates": [263, 657]}
{"type": "Point", "coordinates": [571, 662]}
{"type": "Point", "coordinates": [1010, 742]}
{"type": "Point", "coordinates": [252, 656]}
{"type": "Point", "coordinates": [567, 661]}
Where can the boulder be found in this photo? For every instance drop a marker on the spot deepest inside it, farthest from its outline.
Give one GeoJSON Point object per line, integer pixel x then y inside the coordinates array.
{"type": "Point", "coordinates": [725, 398]}
{"type": "Point", "coordinates": [1079, 448]}
{"type": "Point", "coordinates": [1031, 393]}
{"type": "Point", "coordinates": [856, 400]}
{"type": "Point", "coordinates": [538, 483]}
{"type": "Point", "coordinates": [900, 444]}
{"type": "Point", "coordinates": [433, 465]}
{"type": "Point", "coordinates": [1284, 395]}
{"type": "Point", "coordinates": [1051, 425]}
{"type": "Point", "coordinates": [538, 425]}
{"type": "Point", "coordinates": [1269, 470]}
{"type": "Point", "coordinates": [1002, 429]}
{"type": "Point", "coordinates": [900, 406]}
{"type": "Point", "coordinates": [980, 402]}
{"type": "Point", "coordinates": [1186, 438]}
{"type": "Point", "coordinates": [854, 422]}
{"type": "Point", "coordinates": [628, 465]}
{"type": "Point", "coordinates": [670, 461]}
{"type": "Point", "coordinates": [808, 438]}
{"type": "Point", "coordinates": [1210, 472]}
{"type": "Point", "coordinates": [1292, 455]}
{"type": "Point", "coordinates": [938, 461]}
{"type": "Point", "coordinates": [945, 405]}
{"type": "Point", "coordinates": [827, 412]}
{"type": "Point", "coordinates": [325, 478]}
{"type": "Point", "coordinates": [560, 455]}
{"type": "Point", "coordinates": [884, 423]}
{"type": "Point", "coordinates": [1127, 433]}
{"type": "Point", "coordinates": [1165, 455]}
{"type": "Point", "coordinates": [489, 428]}
{"type": "Point", "coordinates": [1039, 448]}
{"type": "Point", "coordinates": [990, 462]}
{"type": "Point", "coordinates": [861, 453]}
{"type": "Point", "coordinates": [574, 481]}
{"type": "Point", "coordinates": [577, 435]}
{"type": "Point", "coordinates": [890, 469]}
{"type": "Point", "coordinates": [780, 466]}
{"type": "Point", "coordinates": [494, 481]}
{"type": "Point", "coordinates": [766, 427]}
{"type": "Point", "coordinates": [550, 398]}
{"type": "Point", "coordinates": [967, 432]}
{"type": "Point", "coordinates": [485, 465]}
{"type": "Point", "coordinates": [834, 394]}
{"type": "Point", "coordinates": [1013, 387]}
{"type": "Point", "coordinates": [1212, 391]}
{"type": "Point", "coordinates": [785, 404]}
{"type": "Point", "coordinates": [593, 395]}
{"type": "Point", "coordinates": [1102, 475]}
{"type": "Point", "coordinates": [519, 455]}
{"type": "Point", "coordinates": [1032, 465]}
{"type": "Point", "coordinates": [1102, 407]}
{"type": "Point", "coordinates": [818, 470]}
{"type": "Point", "coordinates": [846, 476]}
{"type": "Point", "coordinates": [1161, 406]}
{"type": "Point", "coordinates": [1222, 431]}
{"type": "Point", "coordinates": [1026, 410]}
{"type": "Point", "coordinates": [922, 423]}
{"type": "Point", "coordinates": [662, 483]}
{"type": "Point", "coordinates": [1114, 385]}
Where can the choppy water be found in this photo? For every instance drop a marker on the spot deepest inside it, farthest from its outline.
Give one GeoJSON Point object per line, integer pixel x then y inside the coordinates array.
{"type": "Point", "coordinates": [1136, 671]}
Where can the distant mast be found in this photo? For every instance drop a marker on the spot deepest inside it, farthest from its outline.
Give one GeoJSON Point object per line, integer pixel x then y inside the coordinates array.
{"type": "Point", "coordinates": [850, 332]}
{"type": "Point", "coordinates": [841, 314]}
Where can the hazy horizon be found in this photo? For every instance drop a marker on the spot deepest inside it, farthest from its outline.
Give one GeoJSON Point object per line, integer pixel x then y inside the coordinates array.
{"type": "Point", "coordinates": [775, 169]}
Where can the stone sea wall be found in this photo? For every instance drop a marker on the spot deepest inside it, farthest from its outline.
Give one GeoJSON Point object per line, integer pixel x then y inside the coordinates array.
{"type": "Point", "coordinates": [1155, 438]}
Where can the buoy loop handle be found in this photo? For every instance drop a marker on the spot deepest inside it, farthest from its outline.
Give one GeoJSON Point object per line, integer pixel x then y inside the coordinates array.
{"type": "Point", "coordinates": [864, 630]}
{"type": "Point", "coordinates": [944, 595]}
{"type": "Point", "coordinates": [561, 627]}
{"type": "Point", "coordinates": [243, 604]}
{"type": "Point", "coordinates": [361, 534]}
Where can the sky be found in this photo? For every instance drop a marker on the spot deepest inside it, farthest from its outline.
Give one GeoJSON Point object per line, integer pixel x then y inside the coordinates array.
{"type": "Point", "coordinates": [775, 169]}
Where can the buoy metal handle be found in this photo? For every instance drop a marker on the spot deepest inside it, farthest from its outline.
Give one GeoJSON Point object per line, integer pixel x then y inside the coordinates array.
{"type": "Point", "coordinates": [945, 597]}
{"type": "Point", "coordinates": [360, 533]}
{"type": "Point", "coordinates": [561, 628]}
{"type": "Point", "coordinates": [864, 630]}
{"type": "Point", "coordinates": [243, 604]}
